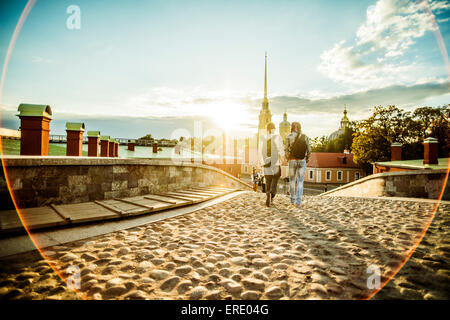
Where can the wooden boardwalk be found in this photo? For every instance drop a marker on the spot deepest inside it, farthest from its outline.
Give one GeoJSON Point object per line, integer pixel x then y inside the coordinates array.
{"type": "Point", "coordinates": [68, 214]}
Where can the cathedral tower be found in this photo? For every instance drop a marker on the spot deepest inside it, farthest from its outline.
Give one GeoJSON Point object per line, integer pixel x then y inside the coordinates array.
{"type": "Point", "coordinates": [285, 127]}
{"type": "Point", "coordinates": [265, 117]}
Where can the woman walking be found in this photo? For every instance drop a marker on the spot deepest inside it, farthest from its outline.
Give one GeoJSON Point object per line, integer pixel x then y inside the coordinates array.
{"type": "Point", "coordinates": [272, 152]}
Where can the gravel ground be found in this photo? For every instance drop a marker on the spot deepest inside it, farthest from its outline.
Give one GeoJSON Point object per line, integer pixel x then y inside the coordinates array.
{"type": "Point", "coordinates": [240, 249]}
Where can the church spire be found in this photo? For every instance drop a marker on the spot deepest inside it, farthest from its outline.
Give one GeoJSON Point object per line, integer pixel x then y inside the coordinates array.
{"type": "Point", "coordinates": [265, 79]}
{"type": "Point", "coordinates": [344, 121]}
{"type": "Point", "coordinates": [265, 117]}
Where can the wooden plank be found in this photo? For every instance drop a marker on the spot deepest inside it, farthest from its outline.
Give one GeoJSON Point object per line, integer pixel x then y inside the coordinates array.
{"type": "Point", "coordinates": [211, 194]}
{"type": "Point", "coordinates": [33, 218]}
{"type": "Point", "coordinates": [123, 206]}
{"type": "Point", "coordinates": [215, 188]}
{"type": "Point", "coordinates": [88, 211]}
{"type": "Point", "coordinates": [104, 205]}
{"type": "Point", "coordinates": [181, 194]}
{"type": "Point", "coordinates": [205, 191]}
{"type": "Point", "coordinates": [196, 199]}
{"type": "Point", "coordinates": [202, 193]}
{"type": "Point", "coordinates": [157, 205]}
{"type": "Point", "coordinates": [135, 203]}
{"type": "Point", "coordinates": [9, 221]}
{"type": "Point", "coordinates": [157, 199]}
{"type": "Point", "coordinates": [189, 201]}
{"type": "Point", "coordinates": [221, 189]}
{"type": "Point", "coordinates": [127, 208]}
{"type": "Point", "coordinates": [61, 214]}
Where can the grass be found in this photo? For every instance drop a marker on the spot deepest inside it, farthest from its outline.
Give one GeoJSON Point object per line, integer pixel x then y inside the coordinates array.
{"type": "Point", "coordinates": [12, 147]}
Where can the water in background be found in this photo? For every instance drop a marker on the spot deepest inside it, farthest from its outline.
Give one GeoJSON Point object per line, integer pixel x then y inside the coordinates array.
{"type": "Point", "coordinates": [147, 152]}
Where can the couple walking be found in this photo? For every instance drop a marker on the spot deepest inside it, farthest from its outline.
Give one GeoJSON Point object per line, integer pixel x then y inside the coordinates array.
{"type": "Point", "coordinates": [297, 151]}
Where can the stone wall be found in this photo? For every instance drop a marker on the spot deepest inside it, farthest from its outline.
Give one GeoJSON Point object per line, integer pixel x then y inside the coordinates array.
{"type": "Point", "coordinates": [39, 181]}
{"type": "Point", "coordinates": [417, 184]}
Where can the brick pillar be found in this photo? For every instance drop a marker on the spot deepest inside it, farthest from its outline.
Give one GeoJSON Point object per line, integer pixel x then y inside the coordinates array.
{"type": "Point", "coordinates": [112, 148]}
{"type": "Point", "coordinates": [131, 145]}
{"type": "Point", "coordinates": [74, 139]}
{"type": "Point", "coordinates": [93, 140]}
{"type": "Point", "coordinates": [396, 151]}
{"type": "Point", "coordinates": [35, 127]}
{"type": "Point", "coordinates": [155, 148]}
{"type": "Point", "coordinates": [104, 146]}
{"type": "Point", "coordinates": [430, 151]}
{"type": "Point", "coordinates": [116, 149]}
{"type": "Point", "coordinates": [192, 149]}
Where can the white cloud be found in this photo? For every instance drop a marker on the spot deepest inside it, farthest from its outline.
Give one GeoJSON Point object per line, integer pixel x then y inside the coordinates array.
{"type": "Point", "coordinates": [344, 64]}
{"type": "Point", "coordinates": [390, 29]}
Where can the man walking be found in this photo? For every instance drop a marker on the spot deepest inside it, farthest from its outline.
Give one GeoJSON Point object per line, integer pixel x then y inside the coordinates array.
{"type": "Point", "coordinates": [271, 146]}
{"type": "Point", "coordinates": [298, 151]}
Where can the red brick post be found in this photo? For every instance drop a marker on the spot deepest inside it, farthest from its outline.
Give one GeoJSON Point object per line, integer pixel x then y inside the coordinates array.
{"type": "Point", "coordinates": [112, 148]}
{"type": "Point", "coordinates": [116, 149]}
{"type": "Point", "coordinates": [131, 145]}
{"type": "Point", "coordinates": [35, 127]}
{"type": "Point", "coordinates": [75, 132]}
{"type": "Point", "coordinates": [104, 146]}
{"type": "Point", "coordinates": [396, 151]}
{"type": "Point", "coordinates": [93, 140]}
{"type": "Point", "coordinates": [430, 151]}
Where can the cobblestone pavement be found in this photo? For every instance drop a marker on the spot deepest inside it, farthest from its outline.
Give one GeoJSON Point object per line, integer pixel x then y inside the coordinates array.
{"type": "Point", "coordinates": [240, 249]}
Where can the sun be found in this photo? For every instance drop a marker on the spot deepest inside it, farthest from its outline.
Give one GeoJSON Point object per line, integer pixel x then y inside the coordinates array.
{"type": "Point", "coordinates": [229, 116]}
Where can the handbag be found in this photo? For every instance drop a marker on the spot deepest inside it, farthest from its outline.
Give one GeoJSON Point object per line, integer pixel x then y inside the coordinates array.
{"type": "Point", "coordinates": [289, 151]}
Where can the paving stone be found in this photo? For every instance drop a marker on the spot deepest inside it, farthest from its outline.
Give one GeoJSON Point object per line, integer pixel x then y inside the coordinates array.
{"type": "Point", "coordinates": [253, 284]}
{"type": "Point", "coordinates": [170, 283]}
{"type": "Point", "coordinates": [198, 293]}
{"type": "Point", "coordinates": [159, 274]}
{"type": "Point", "coordinates": [274, 292]}
{"type": "Point", "coordinates": [182, 271]}
{"type": "Point", "coordinates": [115, 291]}
{"type": "Point", "coordinates": [250, 295]}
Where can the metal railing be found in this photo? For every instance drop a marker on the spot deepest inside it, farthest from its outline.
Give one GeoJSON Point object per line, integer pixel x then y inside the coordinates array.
{"type": "Point", "coordinates": [62, 138]}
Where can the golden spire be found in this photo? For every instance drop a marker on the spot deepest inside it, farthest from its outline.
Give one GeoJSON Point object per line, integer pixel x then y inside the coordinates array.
{"type": "Point", "coordinates": [265, 79]}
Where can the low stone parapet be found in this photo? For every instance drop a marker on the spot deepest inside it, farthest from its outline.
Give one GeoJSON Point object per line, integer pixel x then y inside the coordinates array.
{"type": "Point", "coordinates": [39, 181]}
{"type": "Point", "coordinates": [426, 184]}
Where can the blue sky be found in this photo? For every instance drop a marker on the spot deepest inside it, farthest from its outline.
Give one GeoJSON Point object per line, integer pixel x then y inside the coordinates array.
{"type": "Point", "coordinates": [159, 65]}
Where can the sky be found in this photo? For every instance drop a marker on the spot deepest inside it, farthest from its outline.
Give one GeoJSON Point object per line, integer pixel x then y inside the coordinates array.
{"type": "Point", "coordinates": [159, 67]}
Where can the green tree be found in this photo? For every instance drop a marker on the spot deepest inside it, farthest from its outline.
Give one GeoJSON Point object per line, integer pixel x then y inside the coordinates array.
{"type": "Point", "coordinates": [433, 122]}
{"type": "Point", "coordinates": [344, 141]}
{"type": "Point", "coordinates": [374, 136]}
{"type": "Point", "coordinates": [319, 144]}
{"type": "Point", "coordinates": [147, 137]}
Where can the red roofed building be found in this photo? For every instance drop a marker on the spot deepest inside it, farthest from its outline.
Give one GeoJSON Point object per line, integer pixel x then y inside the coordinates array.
{"type": "Point", "coordinates": [333, 168]}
